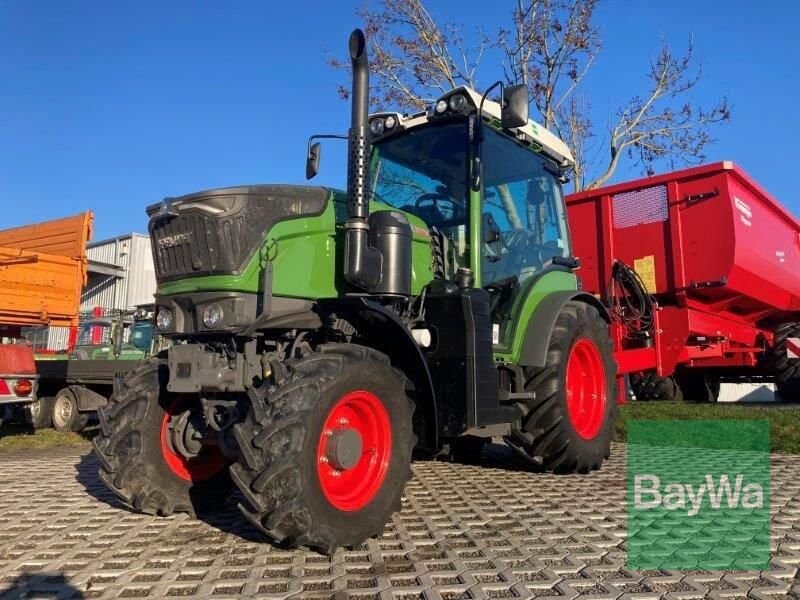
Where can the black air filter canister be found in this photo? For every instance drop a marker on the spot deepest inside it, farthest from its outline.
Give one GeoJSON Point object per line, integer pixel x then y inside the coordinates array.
{"type": "Point", "coordinates": [390, 234]}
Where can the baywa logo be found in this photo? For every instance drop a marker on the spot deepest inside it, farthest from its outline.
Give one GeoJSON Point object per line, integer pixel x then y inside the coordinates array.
{"type": "Point", "coordinates": [647, 493]}
{"type": "Point", "coordinates": [698, 495]}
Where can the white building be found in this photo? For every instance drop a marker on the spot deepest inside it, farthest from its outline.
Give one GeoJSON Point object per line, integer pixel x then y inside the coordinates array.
{"type": "Point", "coordinates": [121, 276]}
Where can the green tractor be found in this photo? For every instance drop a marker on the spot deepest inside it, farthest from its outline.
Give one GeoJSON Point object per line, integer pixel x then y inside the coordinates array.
{"type": "Point", "coordinates": [74, 384]}
{"type": "Point", "coordinates": [319, 336]}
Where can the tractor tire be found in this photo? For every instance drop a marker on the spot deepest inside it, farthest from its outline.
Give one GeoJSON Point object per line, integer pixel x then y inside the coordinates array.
{"type": "Point", "coordinates": [698, 386]}
{"type": "Point", "coordinates": [138, 460]}
{"type": "Point", "coordinates": [649, 386]}
{"type": "Point", "coordinates": [39, 414]}
{"type": "Point", "coordinates": [787, 370]}
{"type": "Point", "coordinates": [66, 416]}
{"type": "Point", "coordinates": [301, 468]}
{"type": "Point", "coordinates": [568, 425]}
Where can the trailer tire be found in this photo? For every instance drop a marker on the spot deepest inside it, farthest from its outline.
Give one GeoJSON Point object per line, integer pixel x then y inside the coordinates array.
{"type": "Point", "coordinates": [66, 416]}
{"type": "Point", "coordinates": [787, 370]}
{"type": "Point", "coordinates": [39, 414]}
{"type": "Point", "coordinates": [649, 386]}
{"type": "Point", "coordinates": [297, 488]}
{"type": "Point", "coordinates": [136, 459]}
{"type": "Point", "coordinates": [563, 429]}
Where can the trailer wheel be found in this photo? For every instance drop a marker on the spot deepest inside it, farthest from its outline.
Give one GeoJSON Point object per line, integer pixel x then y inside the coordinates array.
{"type": "Point", "coordinates": [569, 424]}
{"type": "Point", "coordinates": [787, 378]}
{"type": "Point", "coordinates": [149, 451]}
{"type": "Point", "coordinates": [66, 416]}
{"type": "Point", "coordinates": [324, 455]}
{"type": "Point", "coordinates": [39, 414]}
{"type": "Point", "coordinates": [649, 386]}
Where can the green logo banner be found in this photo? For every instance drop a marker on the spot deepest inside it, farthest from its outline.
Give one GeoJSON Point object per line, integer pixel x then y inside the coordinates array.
{"type": "Point", "coordinates": [698, 495]}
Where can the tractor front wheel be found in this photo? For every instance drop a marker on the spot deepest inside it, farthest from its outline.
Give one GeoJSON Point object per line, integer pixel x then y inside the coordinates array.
{"type": "Point", "coordinates": [568, 425]}
{"type": "Point", "coordinates": [324, 454]}
{"type": "Point", "coordinates": [154, 450]}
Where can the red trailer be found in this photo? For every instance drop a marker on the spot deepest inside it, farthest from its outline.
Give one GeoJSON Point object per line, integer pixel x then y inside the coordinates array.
{"type": "Point", "coordinates": [701, 270]}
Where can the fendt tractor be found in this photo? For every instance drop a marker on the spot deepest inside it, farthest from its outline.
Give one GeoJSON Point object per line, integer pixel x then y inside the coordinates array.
{"type": "Point", "coordinates": [318, 336]}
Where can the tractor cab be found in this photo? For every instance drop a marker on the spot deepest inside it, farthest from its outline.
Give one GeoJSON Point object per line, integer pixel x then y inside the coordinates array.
{"type": "Point", "coordinates": [491, 195]}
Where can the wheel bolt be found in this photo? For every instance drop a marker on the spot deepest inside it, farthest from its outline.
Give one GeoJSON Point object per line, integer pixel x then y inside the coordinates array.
{"type": "Point", "coordinates": [343, 421]}
{"type": "Point", "coordinates": [323, 459]}
{"type": "Point", "coordinates": [328, 432]}
{"type": "Point", "coordinates": [335, 473]}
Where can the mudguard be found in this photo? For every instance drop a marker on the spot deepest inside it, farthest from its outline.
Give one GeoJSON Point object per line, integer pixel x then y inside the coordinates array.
{"type": "Point", "coordinates": [384, 331]}
{"type": "Point", "coordinates": [540, 327]}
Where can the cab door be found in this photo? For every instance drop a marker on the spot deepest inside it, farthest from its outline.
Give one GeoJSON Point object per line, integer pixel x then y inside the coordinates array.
{"type": "Point", "coordinates": [523, 226]}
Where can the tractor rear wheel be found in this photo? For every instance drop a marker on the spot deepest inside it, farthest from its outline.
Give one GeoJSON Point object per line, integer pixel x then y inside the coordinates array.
{"type": "Point", "coordinates": [649, 386]}
{"type": "Point", "coordinates": [787, 368]}
{"type": "Point", "coordinates": [568, 425]}
{"type": "Point", "coordinates": [151, 447]}
{"type": "Point", "coordinates": [324, 453]}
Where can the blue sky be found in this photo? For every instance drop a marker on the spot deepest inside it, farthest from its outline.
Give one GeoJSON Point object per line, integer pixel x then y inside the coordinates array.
{"type": "Point", "coordinates": [111, 106]}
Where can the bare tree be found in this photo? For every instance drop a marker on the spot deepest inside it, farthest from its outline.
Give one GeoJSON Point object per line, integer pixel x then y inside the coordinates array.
{"type": "Point", "coordinates": [550, 45]}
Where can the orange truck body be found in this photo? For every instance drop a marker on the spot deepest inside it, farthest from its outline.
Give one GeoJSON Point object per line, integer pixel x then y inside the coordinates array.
{"type": "Point", "coordinates": [42, 272]}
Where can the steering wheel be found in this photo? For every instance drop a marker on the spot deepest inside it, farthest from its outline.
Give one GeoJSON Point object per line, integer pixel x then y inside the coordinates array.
{"type": "Point", "coordinates": [521, 249]}
{"type": "Point", "coordinates": [439, 209]}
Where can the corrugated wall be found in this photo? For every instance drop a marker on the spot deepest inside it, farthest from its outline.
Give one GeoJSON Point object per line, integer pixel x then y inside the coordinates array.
{"type": "Point", "coordinates": [131, 252]}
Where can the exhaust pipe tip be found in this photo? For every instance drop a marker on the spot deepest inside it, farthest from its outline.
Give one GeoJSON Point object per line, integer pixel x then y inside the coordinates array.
{"type": "Point", "coordinates": [358, 44]}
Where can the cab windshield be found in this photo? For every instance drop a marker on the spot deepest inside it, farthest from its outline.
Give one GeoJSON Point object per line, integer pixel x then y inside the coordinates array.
{"type": "Point", "coordinates": [95, 333]}
{"type": "Point", "coordinates": [142, 335]}
{"type": "Point", "coordinates": [423, 172]}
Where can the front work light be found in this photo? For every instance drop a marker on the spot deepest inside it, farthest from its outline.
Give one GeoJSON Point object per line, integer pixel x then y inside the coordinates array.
{"type": "Point", "coordinates": [212, 315]}
{"type": "Point", "coordinates": [164, 319]}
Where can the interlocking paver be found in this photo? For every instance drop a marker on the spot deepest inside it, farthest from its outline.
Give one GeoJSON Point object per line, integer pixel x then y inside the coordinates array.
{"type": "Point", "coordinates": [495, 531]}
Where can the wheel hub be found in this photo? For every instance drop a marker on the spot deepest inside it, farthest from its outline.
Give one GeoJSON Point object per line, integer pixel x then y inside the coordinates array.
{"type": "Point", "coordinates": [354, 450]}
{"type": "Point", "coordinates": [344, 448]}
{"type": "Point", "coordinates": [586, 389]}
{"type": "Point", "coordinates": [189, 453]}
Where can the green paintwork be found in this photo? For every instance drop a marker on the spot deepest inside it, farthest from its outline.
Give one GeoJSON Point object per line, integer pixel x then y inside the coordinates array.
{"type": "Point", "coordinates": [303, 253]}
{"type": "Point", "coordinates": [525, 307]}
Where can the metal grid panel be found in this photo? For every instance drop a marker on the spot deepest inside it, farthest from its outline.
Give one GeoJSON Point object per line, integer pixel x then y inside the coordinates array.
{"type": "Point", "coordinates": [640, 207]}
{"type": "Point", "coordinates": [496, 531]}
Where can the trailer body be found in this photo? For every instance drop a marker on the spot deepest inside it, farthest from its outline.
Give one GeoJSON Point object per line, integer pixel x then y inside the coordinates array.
{"type": "Point", "coordinates": [720, 256]}
{"type": "Point", "coordinates": [42, 273]}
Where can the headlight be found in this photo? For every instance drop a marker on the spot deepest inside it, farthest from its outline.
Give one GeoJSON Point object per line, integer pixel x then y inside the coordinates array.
{"type": "Point", "coordinates": [457, 102]}
{"type": "Point", "coordinates": [390, 122]}
{"type": "Point", "coordinates": [376, 127]}
{"type": "Point", "coordinates": [212, 315]}
{"type": "Point", "coordinates": [441, 106]}
{"type": "Point", "coordinates": [164, 319]}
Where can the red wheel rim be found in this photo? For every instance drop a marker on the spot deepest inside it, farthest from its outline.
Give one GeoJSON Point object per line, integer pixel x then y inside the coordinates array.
{"type": "Point", "coordinates": [208, 463]}
{"type": "Point", "coordinates": [586, 389]}
{"type": "Point", "coordinates": [352, 486]}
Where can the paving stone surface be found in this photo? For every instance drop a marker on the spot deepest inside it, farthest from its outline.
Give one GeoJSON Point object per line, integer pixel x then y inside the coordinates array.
{"type": "Point", "coordinates": [491, 531]}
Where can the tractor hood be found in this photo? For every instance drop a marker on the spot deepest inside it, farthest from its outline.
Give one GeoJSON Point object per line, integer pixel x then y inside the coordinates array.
{"type": "Point", "coordinates": [216, 232]}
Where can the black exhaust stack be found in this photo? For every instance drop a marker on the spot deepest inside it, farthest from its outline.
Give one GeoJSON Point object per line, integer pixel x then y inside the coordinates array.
{"type": "Point", "coordinates": [362, 262]}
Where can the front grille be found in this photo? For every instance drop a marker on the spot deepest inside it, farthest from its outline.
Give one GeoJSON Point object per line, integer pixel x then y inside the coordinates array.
{"type": "Point", "coordinates": [217, 232]}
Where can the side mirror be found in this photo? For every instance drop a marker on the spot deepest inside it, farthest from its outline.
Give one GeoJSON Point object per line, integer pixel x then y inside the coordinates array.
{"type": "Point", "coordinates": [312, 160]}
{"type": "Point", "coordinates": [515, 106]}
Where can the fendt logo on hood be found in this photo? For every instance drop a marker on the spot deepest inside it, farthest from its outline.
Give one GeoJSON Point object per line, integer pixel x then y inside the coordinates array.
{"type": "Point", "coordinates": [170, 241]}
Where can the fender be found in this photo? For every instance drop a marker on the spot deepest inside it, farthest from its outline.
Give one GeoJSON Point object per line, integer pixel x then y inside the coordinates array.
{"type": "Point", "coordinates": [540, 327]}
{"type": "Point", "coordinates": [86, 399]}
{"type": "Point", "coordinates": [381, 329]}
